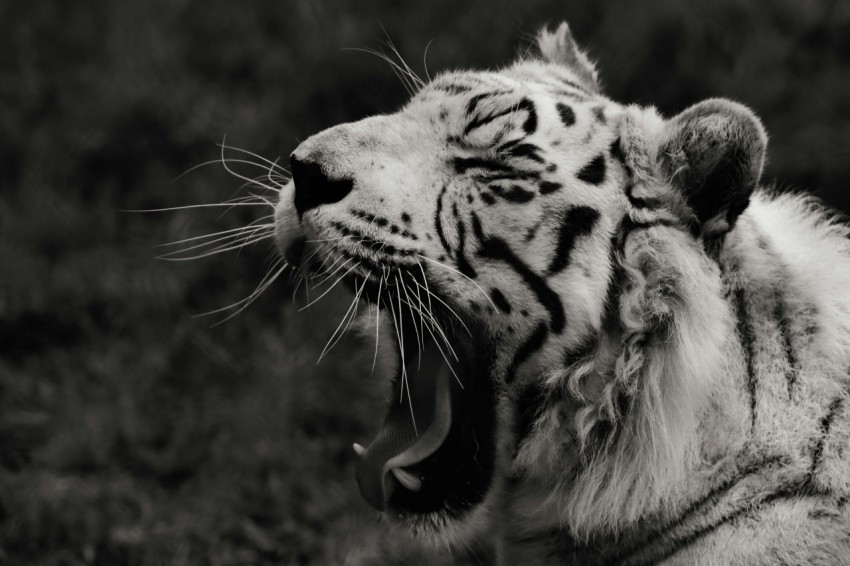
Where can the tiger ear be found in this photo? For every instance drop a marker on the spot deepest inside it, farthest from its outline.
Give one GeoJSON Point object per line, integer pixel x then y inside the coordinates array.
{"type": "Point", "coordinates": [713, 152]}
{"type": "Point", "coordinates": [560, 48]}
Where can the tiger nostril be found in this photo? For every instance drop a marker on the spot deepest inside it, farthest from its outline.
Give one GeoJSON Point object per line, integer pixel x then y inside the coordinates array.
{"type": "Point", "coordinates": [313, 187]}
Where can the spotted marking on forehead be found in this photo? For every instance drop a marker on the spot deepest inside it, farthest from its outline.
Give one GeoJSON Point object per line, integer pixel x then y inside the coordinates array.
{"type": "Point", "coordinates": [566, 113]}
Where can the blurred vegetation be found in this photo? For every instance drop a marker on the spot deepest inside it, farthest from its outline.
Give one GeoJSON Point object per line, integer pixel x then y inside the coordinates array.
{"type": "Point", "coordinates": [132, 432]}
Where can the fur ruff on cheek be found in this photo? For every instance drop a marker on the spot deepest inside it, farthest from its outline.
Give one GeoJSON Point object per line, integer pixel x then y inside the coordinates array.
{"type": "Point", "coordinates": [621, 446]}
{"type": "Point", "coordinates": [674, 324]}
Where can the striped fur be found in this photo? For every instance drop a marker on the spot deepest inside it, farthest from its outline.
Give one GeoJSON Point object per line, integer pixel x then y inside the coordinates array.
{"type": "Point", "coordinates": [669, 345]}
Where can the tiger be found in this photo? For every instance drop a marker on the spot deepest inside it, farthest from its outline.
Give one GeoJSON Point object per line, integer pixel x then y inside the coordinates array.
{"type": "Point", "coordinates": [606, 342]}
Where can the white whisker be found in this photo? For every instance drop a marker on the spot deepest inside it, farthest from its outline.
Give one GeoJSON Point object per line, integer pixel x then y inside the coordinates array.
{"type": "Point", "coordinates": [244, 233]}
{"type": "Point", "coordinates": [264, 284]}
{"type": "Point", "coordinates": [331, 342]}
{"type": "Point", "coordinates": [489, 300]}
{"type": "Point", "coordinates": [216, 234]}
{"type": "Point", "coordinates": [340, 278]}
{"type": "Point", "coordinates": [170, 257]}
{"type": "Point", "coordinates": [378, 320]}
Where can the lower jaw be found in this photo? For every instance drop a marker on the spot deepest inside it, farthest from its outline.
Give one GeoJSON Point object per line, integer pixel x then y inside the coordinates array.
{"type": "Point", "coordinates": [459, 475]}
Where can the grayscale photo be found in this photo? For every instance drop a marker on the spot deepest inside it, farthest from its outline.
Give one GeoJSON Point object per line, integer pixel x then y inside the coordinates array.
{"type": "Point", "coordinates": [535, 283]}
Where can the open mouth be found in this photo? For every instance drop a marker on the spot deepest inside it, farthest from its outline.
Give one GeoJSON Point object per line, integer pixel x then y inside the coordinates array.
{"type": "Point", "coordinates": [435, 450]}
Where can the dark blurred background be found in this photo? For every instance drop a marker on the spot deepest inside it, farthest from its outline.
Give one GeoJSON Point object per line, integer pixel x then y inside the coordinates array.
{"type": "Point", "coordinates": [133, 432]}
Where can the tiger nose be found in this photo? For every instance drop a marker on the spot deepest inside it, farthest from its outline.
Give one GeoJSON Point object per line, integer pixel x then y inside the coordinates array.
{"type": "Point", "coordinates": [313, 187]}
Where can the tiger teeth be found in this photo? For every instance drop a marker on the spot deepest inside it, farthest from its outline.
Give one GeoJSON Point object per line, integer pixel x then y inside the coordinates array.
{"type": "Point", "coordinates": [407, 479]}
{"type": "Point", "coordinates": [359, 450]}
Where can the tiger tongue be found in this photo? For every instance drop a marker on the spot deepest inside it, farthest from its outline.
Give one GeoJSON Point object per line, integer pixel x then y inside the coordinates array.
{"type": "Point", "coordinates": [380, 468]}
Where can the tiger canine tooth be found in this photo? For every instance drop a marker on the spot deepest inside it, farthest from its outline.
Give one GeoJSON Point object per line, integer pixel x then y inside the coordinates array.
{"type": "Point", "coordinates": [407, 479]}
{"type": "Point", "coordinates": [359, 450]}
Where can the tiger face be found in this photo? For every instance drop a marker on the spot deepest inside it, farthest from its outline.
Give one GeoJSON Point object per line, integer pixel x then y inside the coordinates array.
{"type": "Point", "coordinates": [488, 220]}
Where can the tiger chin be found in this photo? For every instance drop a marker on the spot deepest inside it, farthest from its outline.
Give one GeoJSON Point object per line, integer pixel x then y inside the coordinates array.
{"type": "Point", "coordinates": [607, 343]}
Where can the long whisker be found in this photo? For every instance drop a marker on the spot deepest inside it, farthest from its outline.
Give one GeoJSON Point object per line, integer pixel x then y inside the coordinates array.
{"type": "Point", "coordinates": [414, 78]}
{"type": "Point", "coordinates": [233, 171]}
{"type": "Point", "coordinates": [400, 72]}
{"type": "Point", "coordinates": [442, 353]}
{"type": "Point", "coordinates": [419, 340]}
{"type": "Point", "coordinates": [378, 319]}
{"type": "Point", "coordinates": [331, 342]}
{"type": "Point", "coordinates": [215, 234]}
{"type": "Point", "coordinates": [450, 309]}
{"type": "Point", "coordinates": [489, 300]}
{"type": "Point", "coordinates": [227, 236]}
{"type": "Point", "coordinates": [245, 233]}
{"type": "Point", "coordinates": [218, 162]}
{"type": "Point", "coordinates": [264, 284]}
{"type": "Point", "coordinates": [204, 205]}
{"type": "Point", "coordinates": [399, 330]}
{"type": "Point", "coordinates": [326, 278]}
{"type": "Point", "coordinates": [272, 164]}
{"type": "Point", "coordinates": [240, 245]}
{"type": "Point", "coordinates": [335, 283]}
{"type": "Point", "coordinates": [425, 60]}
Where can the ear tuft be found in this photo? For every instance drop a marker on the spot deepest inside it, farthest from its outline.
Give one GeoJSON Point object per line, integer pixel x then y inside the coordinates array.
{"type": "Point", "coordinates": [714, 154]}
{"type": "Point", "coordinates": [560, 48]}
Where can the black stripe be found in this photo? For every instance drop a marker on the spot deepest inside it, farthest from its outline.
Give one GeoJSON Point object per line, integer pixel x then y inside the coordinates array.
{"type": "Point", "coordinates": [463, 264]}
{"type": "Point", "coordinates": [513, 193]}
{"type": "Point", "coordinates": [785, 335]}
{"type": "Point", "coordinates": [533, 343]}
{"type": "Point", "coordinates": [530, 124]}
{"type": "Point", "coordinates": [641, 202]}
{"type": "Point", "coordinates": [500, 301]}
{"type": "Point", "coordinates": [452, 89]}
{"type": "Point", "coordinates": [484, 120]}
{"type": "Point", "coordinates": [616, 280]}
{"type": "Point", "coordinates": [526, 150]}
{"type": "Point", "coordinates": [568, 117]}
{"type": "Point", "coordinates": [697, 508]}
{"type": "Point", "coordinates": [515, 175]}
{"type": "Point", "coordinates": [616, 151]}
{"type": "Point", "coordinates": [577, 222]}
{"type": "Point", "coordinates": [547, 187]}
{"type": "Point", "coordinates": [825, 425]}
{"type": "Point", "coordinates": [438, 221]}
{"type": "Point", "coordinates": [717, 492]}
{"type": "Point", "coordinates": [748, 340]}
{"type": "Point", "coordinates": [594, 172]}
{"type": "Point", "coordinates": [487, 197]}
{"type": "Point", "coordinates": [473, 102]}
{"type": "Point", "coordinates": [476, 228]}
{"type": "Point", "coordinates": [790, 491]}
{"type": "Point", "coordinates": [496, 248]}
{"type": "Point", "coordinates": [464, 164]}
{"type": "Point", "coordinates": [573, 84]}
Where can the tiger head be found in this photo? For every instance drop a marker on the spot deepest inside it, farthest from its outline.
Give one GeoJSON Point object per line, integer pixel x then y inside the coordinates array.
{"type": "Point", "coordinates": [541, 259]}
